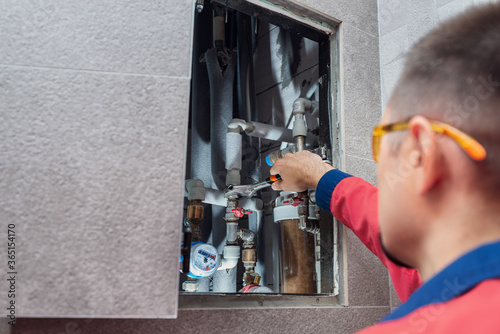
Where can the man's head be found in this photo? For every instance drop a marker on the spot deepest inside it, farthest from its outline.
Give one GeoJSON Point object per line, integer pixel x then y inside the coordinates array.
{"type": "Point", "coordinates": [452, 75]}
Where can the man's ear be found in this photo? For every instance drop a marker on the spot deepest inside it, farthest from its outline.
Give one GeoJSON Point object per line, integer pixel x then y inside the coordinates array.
{"type": "Point", "coordinates": [425, 155]}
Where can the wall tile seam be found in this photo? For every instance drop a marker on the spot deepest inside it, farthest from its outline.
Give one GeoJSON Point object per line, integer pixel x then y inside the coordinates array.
{"type": "Point", "coordinates": [48, 68]}
{"type": "Point", "coordinates": [182, 185]}
{"type": "Point", "coordinates": [368, 307]}
{"type": "Point", "coordinates": [390, 291]}
{"type": "Point", "coordinates": [293, 77]}
{"type": "Point", "coordinates": [382, 102]}
{"type": "Point", "coordinates": [393, 60]}
{"type": "Point", "coordinates": [361, 30]}
{"type": "Point", "coordinates": [101, 317]}
{"type": "Point", "coordinates": [191, 37]}
{"type": "Point", "coordinates": [358, 157]}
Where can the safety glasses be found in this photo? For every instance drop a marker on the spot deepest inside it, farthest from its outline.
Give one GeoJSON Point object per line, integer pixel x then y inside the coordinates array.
{"type": "Point", "coordinates": [475, 150]}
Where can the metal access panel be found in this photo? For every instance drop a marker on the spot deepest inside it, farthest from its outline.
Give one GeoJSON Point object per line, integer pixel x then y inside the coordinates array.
{"type": "Point", "coordinates": [265, 81]}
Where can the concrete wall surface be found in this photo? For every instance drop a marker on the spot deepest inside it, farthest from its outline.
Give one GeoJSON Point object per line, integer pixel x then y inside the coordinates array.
{"type": "Point", "coordinates": [94, 102]}
{"type": "Point", "coordinates": [402, 23]}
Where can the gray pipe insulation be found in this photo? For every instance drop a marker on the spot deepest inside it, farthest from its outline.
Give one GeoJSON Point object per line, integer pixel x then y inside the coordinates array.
{"type": "Point", "coordinates": [269, 132]}
{"type": "Point", "coordinates": [221, 112]}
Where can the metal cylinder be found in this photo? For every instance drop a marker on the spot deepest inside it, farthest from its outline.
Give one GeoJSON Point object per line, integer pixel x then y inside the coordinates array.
{"type": "Point", "coordinates": [300, 143]}
{"type": "Point", "coordinates": [195, 217]}
{"type": "Point", "coordinates": [249, 258]}
{"type": "Point", "coordinates": [297, 259]}
{"type": "Point", "coordinates": [249, 255]}
{"type": "Point", "coordinates": [269, 132]}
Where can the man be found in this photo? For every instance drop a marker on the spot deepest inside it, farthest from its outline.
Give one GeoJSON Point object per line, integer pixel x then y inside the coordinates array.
{"type": "Point", "coordinates": [437, 208]}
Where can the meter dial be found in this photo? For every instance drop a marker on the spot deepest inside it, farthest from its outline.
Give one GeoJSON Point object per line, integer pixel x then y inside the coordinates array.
{"type": "Point", "coordinates": [204, 260]}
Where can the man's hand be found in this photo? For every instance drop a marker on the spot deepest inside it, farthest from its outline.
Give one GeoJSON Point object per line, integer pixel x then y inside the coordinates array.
{"type": "Point", "coordinates": [299, 171]}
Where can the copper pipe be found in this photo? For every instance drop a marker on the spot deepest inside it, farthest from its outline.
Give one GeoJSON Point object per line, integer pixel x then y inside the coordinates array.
{"type": "Point", "coordinates": [297, 258]}
{"type": "Point", "coordinates": [248, 256]}
{"type": "Point", "coordinates": [195, 217]}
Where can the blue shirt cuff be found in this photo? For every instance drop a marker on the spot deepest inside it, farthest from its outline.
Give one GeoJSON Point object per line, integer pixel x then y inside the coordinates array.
{"type": "Point", "coordinates": [326, 186]}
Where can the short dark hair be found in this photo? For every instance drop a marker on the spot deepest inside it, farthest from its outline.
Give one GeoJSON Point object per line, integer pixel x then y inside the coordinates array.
{"type": "Point", "coordinates": [453, 75]}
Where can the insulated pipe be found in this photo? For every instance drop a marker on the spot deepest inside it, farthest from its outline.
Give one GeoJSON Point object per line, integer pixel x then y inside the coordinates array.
{"type": "Point", "coordinates": [218, 26]}
{"type": "Point", "coordinates": [270, 132]}
{"type": "Point", "coordinates": [217, 197]}
{"type": "Point", "coordinates": [230, 257]}
{"type": "Point", "coordinates": [261, 130]}
{"type": "Point", "coordinates": [234, 150]}
{"type": "Point", "coordinates": [221, 111]}
{"type": "Point", "coordinates": [195, 190]}
{"type": "Point", "coordinates": [234, 143]}
{"type": "Point", "coordinates": [231, 253]}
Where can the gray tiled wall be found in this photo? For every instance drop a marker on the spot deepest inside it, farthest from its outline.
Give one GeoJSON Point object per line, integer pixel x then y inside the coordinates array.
{"type": "Point", "coordinates": [402, 23]}
{"type": "Point", "coordinates": [94, 101]}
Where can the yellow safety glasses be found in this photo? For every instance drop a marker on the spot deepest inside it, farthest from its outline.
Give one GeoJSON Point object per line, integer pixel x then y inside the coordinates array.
{"type": "Point", "coordinates": [475, 150]}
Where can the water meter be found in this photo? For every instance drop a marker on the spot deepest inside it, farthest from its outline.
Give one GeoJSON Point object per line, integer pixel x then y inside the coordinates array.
{"type": "Point", "coordinates": [204, 260]}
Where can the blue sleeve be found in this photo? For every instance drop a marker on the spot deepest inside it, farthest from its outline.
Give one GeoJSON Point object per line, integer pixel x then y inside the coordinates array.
{"type": "Point", "coordinates": [326, 186]}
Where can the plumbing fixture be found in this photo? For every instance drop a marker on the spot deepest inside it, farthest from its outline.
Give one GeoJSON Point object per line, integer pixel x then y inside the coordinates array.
{"type": "Point", "coordinates": [231, 252]}
{"type": "Point", "coordinates": [255, 288]}
{"type": "Point", "coordinates": [196, 257]}
{"type": "Point", "coordinates": [195, 217]}
{"type": "Point", "coordinates": [297, 259]}
{"type": "Point", "coordinates": [250, 190]}
{"type": "Point", "coordinates": [228, 143]}
{"type": "Point", "coordinates": [186, 250]}
{"type": "Point", "coordinates": [284, 210]}
{"type": "Point", "coordinates": [297, 217]}
{"type": "Point", "coordinates": [240, 212]}
{"type": "Point", "coordinates": [230, 257]}
{"type": "Point", "coordinates": [204, 260]}
{"type": "Point", "coordinates": [261, 130]}
{"type": "Point", "coordinates": [234, 143]}
{"type": "Point", "coordinates": [272, 157]}
{"type": "Point", "coordinates": [190, 286]}
{"type": "Point", "coordinates": [279, 154]}
{"type": "Point", "coordinates": [221, 65]}
{"type": "Point", "coordinates": [299, 124]}
{"type": "Point", "coordinates": [199, 5]}
{"type": "Point", "coordinates": [249, 256]}
{"type": "Point", "coordinates": [231, 222]}
{"type": "Point", "coordinates": [218, 197]}
{"type": "Point", "coordinates": [293, 201]}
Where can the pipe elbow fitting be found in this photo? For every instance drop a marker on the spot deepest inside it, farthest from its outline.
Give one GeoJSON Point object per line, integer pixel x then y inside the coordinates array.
{"type": "Point", "coordinates": [246, 235]}
{"type": "Point", "coordinates": [195, 190]}
{"type": "Point", "coordinates": [300, 105]}
{"type": "Point", "coordinates": [239, 125]}
{"type": "Point", "coordinates": [230, 257]}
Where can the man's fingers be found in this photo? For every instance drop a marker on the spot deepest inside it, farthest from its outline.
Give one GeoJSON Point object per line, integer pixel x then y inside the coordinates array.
{"type": "Point", "coordinates": [277, 185]}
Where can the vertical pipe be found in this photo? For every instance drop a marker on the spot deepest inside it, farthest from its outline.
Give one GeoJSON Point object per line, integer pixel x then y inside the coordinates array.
{"type": "Point", "coordinates": [298, 247]}
{"type": "Point", "coordinates": [195, 218]}
{"type": "Point", "coordinates": [221, 112]}
{"type": "Point", "coordinates": [297, 258]}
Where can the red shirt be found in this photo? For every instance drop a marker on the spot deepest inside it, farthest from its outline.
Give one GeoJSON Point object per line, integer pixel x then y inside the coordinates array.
{"type": "Point", "coordinates": [463, 298]}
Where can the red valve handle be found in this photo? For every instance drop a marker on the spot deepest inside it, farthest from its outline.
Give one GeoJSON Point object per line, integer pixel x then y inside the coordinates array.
{"type": "Point", "coordinates": [294, 201]}
{"type": "Point", "coordinates": [240, 212]}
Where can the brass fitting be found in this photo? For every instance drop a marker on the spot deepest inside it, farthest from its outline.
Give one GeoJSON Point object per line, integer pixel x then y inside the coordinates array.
{"type": "Point", "coordinates": [195, 217]}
